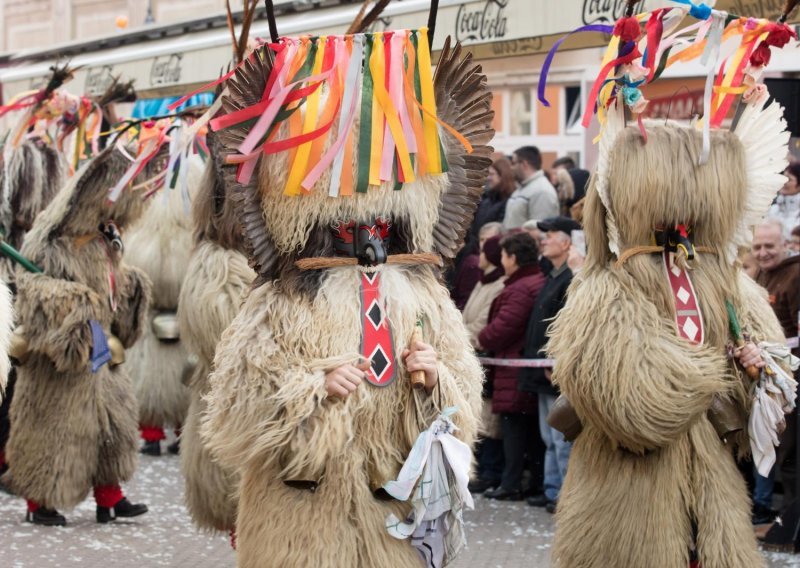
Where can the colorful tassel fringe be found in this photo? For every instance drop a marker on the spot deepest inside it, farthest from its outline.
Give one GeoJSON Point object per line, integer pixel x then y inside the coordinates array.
{"type": "Point", "coordinates": [383, 79]}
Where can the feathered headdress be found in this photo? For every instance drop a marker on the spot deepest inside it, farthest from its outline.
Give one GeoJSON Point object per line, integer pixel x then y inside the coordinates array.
{"type": "Point", "coordinates": [324, 129]}
{"type": "Point", "coordinates": [735, 49]}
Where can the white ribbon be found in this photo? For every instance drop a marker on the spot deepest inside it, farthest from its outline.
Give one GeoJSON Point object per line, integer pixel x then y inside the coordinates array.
{"type": "Point", "coordinates": [352, 91]}
{"type": "Point", "coordinates": [774, 395]}
{"type": "Point", "coordinates": [710, 57]}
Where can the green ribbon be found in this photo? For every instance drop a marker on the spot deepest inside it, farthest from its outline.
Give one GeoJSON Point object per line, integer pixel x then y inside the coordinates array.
{"type": "Point", "coordinates": [733, 321]}
{"type": "Point", "coordinates": [365, 129]}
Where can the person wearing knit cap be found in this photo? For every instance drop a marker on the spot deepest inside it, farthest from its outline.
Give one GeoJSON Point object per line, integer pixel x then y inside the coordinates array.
{"type": "Point", "coordinates": [489, 449]}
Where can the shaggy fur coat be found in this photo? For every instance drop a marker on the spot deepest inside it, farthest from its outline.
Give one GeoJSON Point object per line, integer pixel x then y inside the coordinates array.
{"type": "Point", "coordinates": [6, 327]}
{"type": "Point", "coordinates": [649, 464]}
{"type": "Point", "coordinates": [216, 282]}
{"type": "Point", "coordinates": [269, 412]}
{"type": "Point", "coordinates": [30, 176]}
{"type": "Point", "coordinates": [160, 245]}
{"type": "Point", "coordinates": [72, 429]}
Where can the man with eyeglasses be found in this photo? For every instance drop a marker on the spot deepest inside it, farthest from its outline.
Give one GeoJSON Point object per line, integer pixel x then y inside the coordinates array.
{"type": "Point", "coordinates": [535, 198]}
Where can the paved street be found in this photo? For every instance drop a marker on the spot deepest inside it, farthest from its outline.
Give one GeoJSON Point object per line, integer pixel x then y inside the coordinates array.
{"type": "Point", "coordinates": [501, 535]}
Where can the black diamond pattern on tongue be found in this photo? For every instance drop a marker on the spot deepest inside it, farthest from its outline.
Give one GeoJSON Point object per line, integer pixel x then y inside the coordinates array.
{"type": "Point", "coordinates": [375, 315]}
{"type": "Point", "coordinates": [379, 362]}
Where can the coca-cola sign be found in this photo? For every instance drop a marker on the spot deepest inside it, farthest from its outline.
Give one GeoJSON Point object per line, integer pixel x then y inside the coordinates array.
{"type": "Point", "coordinates": [166, 70]}
{"type": "Point", "coordinates": [98, 80]}
{"type": "Point", "coordinates": [606, 11]}
{"type": "Point", "coordinates": [481, 21]}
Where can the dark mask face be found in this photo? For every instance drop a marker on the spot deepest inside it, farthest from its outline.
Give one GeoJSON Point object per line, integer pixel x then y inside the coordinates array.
{"type": "Point", "coordinates": [366, 241]}
{"type": "Point", "coordinates": [112, 235]}
{"type": "Point", "coordinates": [674, 237]}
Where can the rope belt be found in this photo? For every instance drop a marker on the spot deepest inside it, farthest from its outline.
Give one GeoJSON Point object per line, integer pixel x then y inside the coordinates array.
{"type": "Point", "coordinates": [321, 262]}
{"type": "Point", "coordinates": [652, 249]}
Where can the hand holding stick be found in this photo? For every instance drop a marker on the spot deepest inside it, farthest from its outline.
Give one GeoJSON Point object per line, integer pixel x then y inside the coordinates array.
{"type": "Point", "coordinates": [741, 345]}
{"type": "Point", "coordinates": [417, 377]}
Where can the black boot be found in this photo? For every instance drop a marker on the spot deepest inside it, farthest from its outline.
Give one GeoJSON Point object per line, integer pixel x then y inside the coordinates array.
{"type": "Point", "coordinates": [123, 509]}
{"type": "Point", "coordinates": [46, 518]}
{"type": "Point", "coordinates": [151, 448]}
{"type": "Point", "coordinates": [175, 447]}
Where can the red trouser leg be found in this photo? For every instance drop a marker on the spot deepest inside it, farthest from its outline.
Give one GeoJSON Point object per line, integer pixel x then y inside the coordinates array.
{"type": "Point", "coordinates": [33, 506]}
{"type": "Point", "coordinates": [107, 495]}
{"type": "Point", "coordinates": [152, 433]}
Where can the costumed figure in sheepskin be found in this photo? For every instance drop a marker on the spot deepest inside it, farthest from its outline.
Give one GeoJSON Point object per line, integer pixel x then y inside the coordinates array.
{"type": "Point", "coordinates": [160, 245]}
{"type": "Point", "coordinates": [74, 414]}
{"type": "Point", "coordinates": [30, 175]}
{"type": "Point", "coordinates": [650, 348]}
{"type": "Point", "coordinates": [313, 392]}
{"type": "Point", "coordinates": [32, 170]}
{"type": "Point", "coordinates": [217, 279]}
{"type": "Point", "coordinates": [670, 356]}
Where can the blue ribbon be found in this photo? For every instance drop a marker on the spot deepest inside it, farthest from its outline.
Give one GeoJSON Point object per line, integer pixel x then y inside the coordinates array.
{"type": "Point", "coordinates": [549, 59]}
{"type": "Point", "coordinates": [698, 11]}
{"type": "Point", "coordinates": [101, 354]}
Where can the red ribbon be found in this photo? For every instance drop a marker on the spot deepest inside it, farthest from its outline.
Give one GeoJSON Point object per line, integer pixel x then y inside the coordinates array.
{"type": "Point", "coordinates": [24, 102]}
{"type": "Point", "coordinates": [598, 83]}
{"type": "Point", "coordinates": [655, 29]}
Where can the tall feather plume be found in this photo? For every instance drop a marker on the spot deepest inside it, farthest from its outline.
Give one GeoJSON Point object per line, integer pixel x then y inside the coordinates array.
{"type": "Point", "coordinates": [463, 102]}
{"type": "Point", "coordinates": [762, 131]}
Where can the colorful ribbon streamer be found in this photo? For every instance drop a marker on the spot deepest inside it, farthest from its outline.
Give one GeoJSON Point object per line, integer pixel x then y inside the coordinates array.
{"type": "Point", "coordinates": [316, 83]}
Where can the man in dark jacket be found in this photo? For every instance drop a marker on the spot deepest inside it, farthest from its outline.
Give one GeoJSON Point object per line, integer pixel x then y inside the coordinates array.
{"type": "Point", "coordinates": [779, 273]}
{"type": "Point", "coordinates": [555, 247]}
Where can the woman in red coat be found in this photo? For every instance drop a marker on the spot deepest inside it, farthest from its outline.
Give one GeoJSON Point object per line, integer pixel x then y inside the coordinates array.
{"type": "Point", "coordinates": [504, 336]}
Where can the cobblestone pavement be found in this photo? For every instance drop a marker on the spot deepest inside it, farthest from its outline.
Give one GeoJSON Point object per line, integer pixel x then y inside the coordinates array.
{"type": "Point", "coordinates": [501, 535]}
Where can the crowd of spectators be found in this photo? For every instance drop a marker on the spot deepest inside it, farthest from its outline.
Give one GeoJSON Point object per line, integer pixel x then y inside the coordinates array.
{"type": "Point", "coordinates": [510, 281]}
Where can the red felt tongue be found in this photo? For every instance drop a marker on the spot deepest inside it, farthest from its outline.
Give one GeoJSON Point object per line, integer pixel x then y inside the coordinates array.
{"type": "Point", "coordinates": [688, 316]}
{"type": "Point", "coordinates": [376, 344]}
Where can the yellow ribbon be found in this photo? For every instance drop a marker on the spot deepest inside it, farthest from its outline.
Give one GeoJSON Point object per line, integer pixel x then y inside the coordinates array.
{"type": "Point", "coordinates": [298, 169]}
{"type": "Point", "coordinates": [428, 103]}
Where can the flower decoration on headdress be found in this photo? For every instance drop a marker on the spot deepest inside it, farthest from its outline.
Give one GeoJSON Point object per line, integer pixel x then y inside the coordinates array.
{"type": "Point", "coordinates": [778, 35]}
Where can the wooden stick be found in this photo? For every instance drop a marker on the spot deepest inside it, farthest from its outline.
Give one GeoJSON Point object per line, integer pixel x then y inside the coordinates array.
{"type": "Point", "coordinates": [354, 27]}
{"type": "Point", "coordinates": [787, 9]}
{"type": "Point", "coordinates": [417, 377]}
{"type": "Point", "coordinates": [322, 262]}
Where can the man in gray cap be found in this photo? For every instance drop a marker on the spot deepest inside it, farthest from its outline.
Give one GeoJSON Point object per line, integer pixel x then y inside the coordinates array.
{"type": "Point", "coordinates": [556, 246]}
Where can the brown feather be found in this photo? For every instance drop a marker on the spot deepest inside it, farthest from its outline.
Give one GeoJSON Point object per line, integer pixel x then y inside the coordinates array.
{"type": "Point", "coordinates": [464, 102]}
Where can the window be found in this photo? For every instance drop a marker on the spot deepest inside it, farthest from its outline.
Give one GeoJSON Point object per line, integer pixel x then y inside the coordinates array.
{"type": "Point", "coordinates": [520, 112]}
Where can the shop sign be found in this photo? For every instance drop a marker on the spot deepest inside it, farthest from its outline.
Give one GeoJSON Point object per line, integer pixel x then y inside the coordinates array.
{"type": "Point", "coordinates": [166, 70]}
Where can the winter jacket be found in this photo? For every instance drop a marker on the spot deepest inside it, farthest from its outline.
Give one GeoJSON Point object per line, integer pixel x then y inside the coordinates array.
{"type": "Point", "coordinates": [491, 209]}
{"type": "Point", "coordinates": [549, 302]}
{"type": "Point", "coordinates": [535, 199]}
{"type": "Point", "coordinates": [783, 285]}
{"type": "Point", "coordinates": [504, 336]}
{"type": "Point", "coordinates": [468, 274]}
{"type": "Point", "coordinates": [476, 312]}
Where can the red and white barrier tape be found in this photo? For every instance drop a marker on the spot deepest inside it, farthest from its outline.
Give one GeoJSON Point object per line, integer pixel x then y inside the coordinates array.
{"type": "Point", "coordinates": [792, 342]}
{"type": "Point", "coordinates": [492, 362]}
